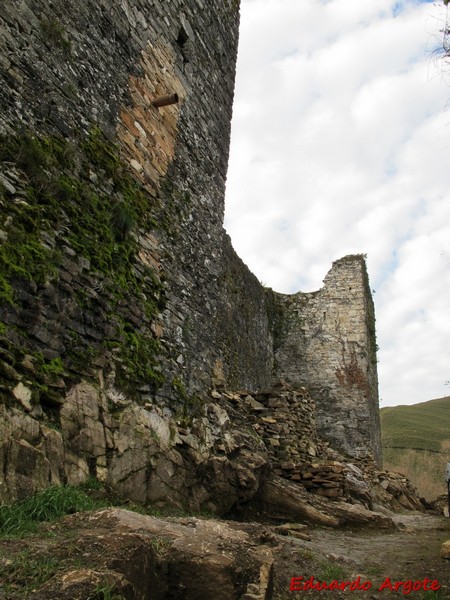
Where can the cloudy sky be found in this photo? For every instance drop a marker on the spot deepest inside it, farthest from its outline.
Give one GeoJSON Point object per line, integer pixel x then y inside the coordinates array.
{"type": "Point", "coordinates": [341, 145]}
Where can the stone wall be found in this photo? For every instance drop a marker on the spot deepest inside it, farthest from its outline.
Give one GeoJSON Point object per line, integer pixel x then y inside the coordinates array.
{"type": "Point", "coordinates": [326, 341]}
{"type": "Point", "coordinates": [285, 419]}
{"type": "Point", "coordinates": [71, 71]}
{"type": "Point", "coordinates": [120, 293]}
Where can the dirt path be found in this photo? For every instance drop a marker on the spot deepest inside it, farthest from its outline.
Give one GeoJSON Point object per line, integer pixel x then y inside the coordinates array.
{"type": "Point", "coordinates": [410, 553]}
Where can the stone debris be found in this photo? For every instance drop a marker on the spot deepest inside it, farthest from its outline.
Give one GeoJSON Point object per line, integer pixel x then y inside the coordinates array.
{"type": "Point", "coordinates": [323, 480]}
{"type": "Point", "coordinates": [284, 418]}
{"type": "Point", "coordinates": [217, 461]}
{"type": "Point", "coordinates": [395, 491]}
{"type": "Point", "coordinates": [445, 550]}
{"type": "Point", "coordinates": [294, 530]}
{"type": "Point", "coordinates": [280, 499]}
{"type": "Point", "coordinates": [441, 505]}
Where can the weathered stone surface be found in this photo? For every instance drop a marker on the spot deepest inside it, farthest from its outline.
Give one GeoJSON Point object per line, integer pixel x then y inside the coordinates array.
{"type": "Point", "coordinates": [178, 558]}
{"type": "Point", "coordinates": [445, 550]}
{"type": "Point", "coordinates": [395, 491]}
{"type": "Point", "coordinates": [23, 395]}
{"type": "Point", "coordinates": [78, 583]}
{"type": "Point", "coordinates": [285, 418]}
{"type": "Point", "coordinates": [52, 446]}
{"type": "Point", "coordinates": [27, 470]}
{"type": "Point", "coordinates": [356, 485]}
{"type": "Point", "coordinates": [218, 462]}
{"type": "Point", "coordinates": [83, 431]}
{"type": "Point", "coordinates": [293, 529]}
{"type": "Point", "coordinates": [327, 343]}
{"type": "Point", "coordinates": [354, 514]}
{"type": "Point", "coordinates": [29, 459]}
{"type": "Point", "coordinates": [280, 498]}
{"type": "Point", "coordinates": [441, 504]}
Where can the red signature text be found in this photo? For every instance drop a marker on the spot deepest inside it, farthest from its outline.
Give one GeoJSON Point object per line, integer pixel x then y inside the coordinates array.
{"type": "Point", "coordinates": [300, 584]}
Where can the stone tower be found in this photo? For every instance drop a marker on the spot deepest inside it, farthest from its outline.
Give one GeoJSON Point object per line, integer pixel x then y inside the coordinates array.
{"type": "Point", "coordinates": [327, 343]}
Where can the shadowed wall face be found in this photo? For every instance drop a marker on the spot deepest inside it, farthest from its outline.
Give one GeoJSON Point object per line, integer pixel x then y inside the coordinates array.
{"type": "Point", "coordinates": [72, 70]}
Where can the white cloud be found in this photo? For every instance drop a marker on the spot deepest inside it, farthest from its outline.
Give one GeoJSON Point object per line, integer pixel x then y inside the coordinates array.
{"type": "Point", "coordinates": [340, 144]}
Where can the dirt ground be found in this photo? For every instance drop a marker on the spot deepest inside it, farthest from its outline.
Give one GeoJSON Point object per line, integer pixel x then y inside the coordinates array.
{"type": "Point", "coordinates": [412, 552]}
{"type": "Point", "coordinates": [409, 553]}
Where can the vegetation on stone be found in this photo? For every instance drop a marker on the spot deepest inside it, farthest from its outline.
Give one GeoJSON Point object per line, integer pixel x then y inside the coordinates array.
{"type": "Point", "coordinates": [78, 199]}
{"type": "Point", "coordinates": [24, 517]}
{"type": "Point", "coordinates": [53, 32]}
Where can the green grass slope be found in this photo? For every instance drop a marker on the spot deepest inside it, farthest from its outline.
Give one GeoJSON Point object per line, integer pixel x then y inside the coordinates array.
{"type": "Point", "coordinates": [416, 442]}
{"type": "Point", "coordinates": [421, 426]}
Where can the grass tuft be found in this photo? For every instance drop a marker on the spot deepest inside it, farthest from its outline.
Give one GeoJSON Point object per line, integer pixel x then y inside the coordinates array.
{"type": "Point", "coordinates": [105, 592]}
{"type": "Point", "coordinates": [27, 571]}
{"type": "Point", "coordinates": [54, 502]}
{"type": "Point", "coordinates": [330, 572]}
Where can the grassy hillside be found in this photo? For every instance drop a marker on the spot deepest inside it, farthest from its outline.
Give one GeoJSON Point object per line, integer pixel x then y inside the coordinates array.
{"type": "Point", "coordinates": [422, 426]}
{"type": "Point", "coordinates": [416, 442]}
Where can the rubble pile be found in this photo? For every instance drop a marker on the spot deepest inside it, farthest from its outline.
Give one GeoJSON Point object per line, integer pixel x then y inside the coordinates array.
{"type": "Point", "coordinates": [396, 491]}
{"type": "Point", "coordinates": [285, 419]}
{"type": "Point", "coordinates": [324, 480]}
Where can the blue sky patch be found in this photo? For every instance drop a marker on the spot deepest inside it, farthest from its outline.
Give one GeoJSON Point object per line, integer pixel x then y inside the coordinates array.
{"type": "Point", "coordinates": [397, 8]}
{"type": "Point", "coordinates": [402, 4]}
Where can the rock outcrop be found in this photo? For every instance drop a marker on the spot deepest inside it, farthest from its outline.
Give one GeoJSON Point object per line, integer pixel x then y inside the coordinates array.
{"type": "Point", "coordinates": [239, 449]}
{"type": "Point", "coordinates": [120, 554]}
{"type": "Point", "coordinates": [140, 557]}
{"type": "Point", "coordinates": [143, 453]}
{"type": "Point", "coordinates": [284, 500]}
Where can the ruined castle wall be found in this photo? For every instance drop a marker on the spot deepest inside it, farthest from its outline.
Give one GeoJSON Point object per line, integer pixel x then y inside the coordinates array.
{"type": "Point", "coordinates": [71, 68]}
{"type": "Point", "coordinates": [326, 341]}
{"type": "Point", "coordinates": [121, 298]}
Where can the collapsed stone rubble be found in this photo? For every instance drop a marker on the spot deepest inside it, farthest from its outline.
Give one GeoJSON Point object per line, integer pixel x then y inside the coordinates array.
{"type": "Point", "coordinates": [218, 460]}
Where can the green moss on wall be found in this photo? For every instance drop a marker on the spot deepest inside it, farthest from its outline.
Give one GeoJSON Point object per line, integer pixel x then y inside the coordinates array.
{"type": "Point", "coordinates": [136, 362]}
{"type": "Point", "coordinates": [79, 196]}
{"type": "Point", "coordinates": [54, 34]}
{"type": "Point", "coordinates": [191, 406]}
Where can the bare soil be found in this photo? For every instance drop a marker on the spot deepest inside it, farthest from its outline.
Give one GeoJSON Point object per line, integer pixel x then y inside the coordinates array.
{"type": "Point", "coordinates": [412, 552]}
